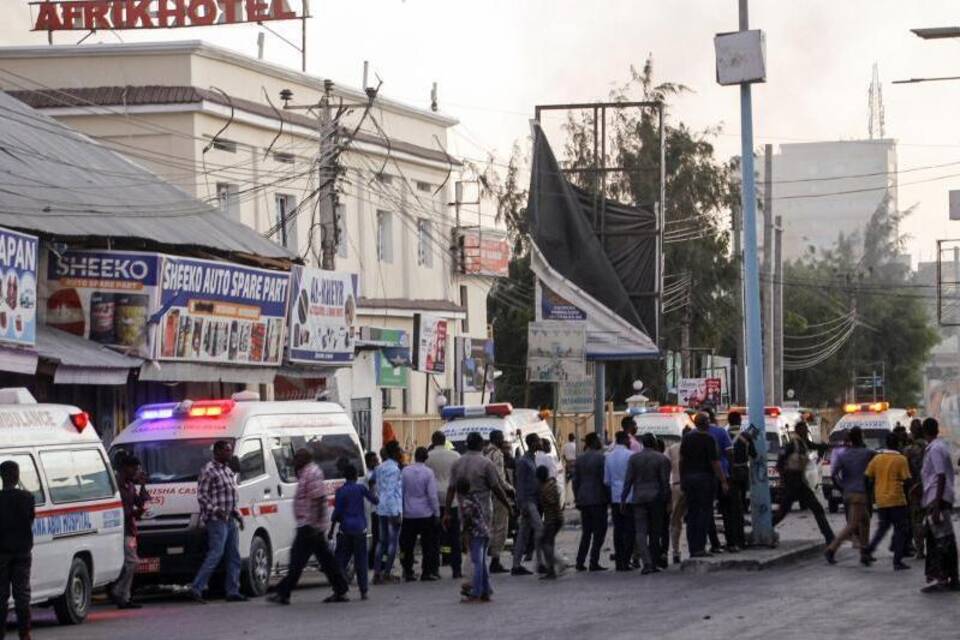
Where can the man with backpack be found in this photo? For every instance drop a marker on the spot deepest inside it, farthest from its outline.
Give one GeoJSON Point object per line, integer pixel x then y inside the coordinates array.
{"type": "Point", "coordinates": [792, 465]}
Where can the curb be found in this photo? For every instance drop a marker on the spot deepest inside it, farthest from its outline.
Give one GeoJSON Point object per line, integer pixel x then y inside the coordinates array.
{"type": "Point", "coordinates": [791, 551]}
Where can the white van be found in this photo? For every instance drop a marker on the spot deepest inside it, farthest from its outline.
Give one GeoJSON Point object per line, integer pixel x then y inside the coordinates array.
{"type": "Point", "coordinates": [667, 422]}
{"type": "Point", "coordinates": [174, 440]}
{"type": "Point", "coordinates": [876, 419]}
{"type": "Point", "coordinates": [515, 424]}
{"type": "Point", "coordinates": [78, 530]}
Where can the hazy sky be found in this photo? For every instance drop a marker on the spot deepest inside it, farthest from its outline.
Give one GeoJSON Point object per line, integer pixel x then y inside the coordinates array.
{"type": "Point", "coordinates": [495, 60]}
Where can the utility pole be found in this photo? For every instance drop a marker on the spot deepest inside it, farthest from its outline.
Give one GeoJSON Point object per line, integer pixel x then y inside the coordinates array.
{"type": "Point", "coordinates": [740, 397]}
{"type": "Point", "coordinates": [766, 293]}
{"type": "Point", "coordinates": [303, 36]}
{"type": "Point", "coordinates": [741, 60]}
{"type": "Point", "coordinates": [778, 312]}
{"type": "Point", "coordinates": [327, 172]}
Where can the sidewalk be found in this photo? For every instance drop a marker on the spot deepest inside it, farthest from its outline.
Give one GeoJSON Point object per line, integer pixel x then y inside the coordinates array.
{"type": "Point", "coordinates": [756, 558]}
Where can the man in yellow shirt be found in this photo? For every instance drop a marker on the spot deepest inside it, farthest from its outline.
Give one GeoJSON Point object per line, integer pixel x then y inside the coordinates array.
{"type": "Point", "coordinates": [886, 473]}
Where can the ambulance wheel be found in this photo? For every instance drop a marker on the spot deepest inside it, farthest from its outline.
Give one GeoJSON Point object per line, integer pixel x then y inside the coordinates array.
{"type": "Point", "coordinates": [259, 567]}
{"type": "Point", "coordinates": [73, 605]}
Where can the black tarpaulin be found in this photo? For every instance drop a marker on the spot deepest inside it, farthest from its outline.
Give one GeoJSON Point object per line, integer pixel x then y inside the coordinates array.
{"type": "Point", "coordinates": [619, 272]}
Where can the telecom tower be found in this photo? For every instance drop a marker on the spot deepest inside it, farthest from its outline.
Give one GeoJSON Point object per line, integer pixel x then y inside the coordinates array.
{"type": "Point", "coordinates": [875, 104]}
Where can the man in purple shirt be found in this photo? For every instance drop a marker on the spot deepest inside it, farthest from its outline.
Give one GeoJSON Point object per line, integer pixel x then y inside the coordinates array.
{"type": "Point", "coordinates": [938, 500]}
{"type": "Point", "coordinates": [421, 515]}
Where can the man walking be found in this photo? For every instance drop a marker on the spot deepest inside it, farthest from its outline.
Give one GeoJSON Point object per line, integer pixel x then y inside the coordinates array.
{"type": "Point", "coordinates": [678, 504]}
{"type": "Point", "coordinates": [217, 495]}
{"type": "Point", "coordinates": [887, 472]}
{"type": "Point", "coordinates": [699, 473]}
{"type": "Point", "coordinates": [421, 518]}
{"type": "Point", "coordinates": [16, 547]}
{"type": "Point", "coordinates": [938, 500]}
{"type": "Point", "coordinates": [552, 521]}
{"type": "Point", "coordinates": [528, 498]}
{"type": "Point", "coordinates": [310, 512]}
{"type": "Point", "coordinates": [914, 488]}
{"type": "Point", "coordinates": [848, 475]}
{"type": "Point", "coordinates": [648, 479]}
{"type": "Point", "coordinates": [501, 512]}
{"type": "Point", "coordinates": [614, 474]}
{"type": "Point", "coordinates": [476, 528]}
{"type": "Point", "coordinates": [591, 499]}
{"type": "Point", "coordinates": [792, 464]}
{"type": "Point", "coordinates": [134, 500]}
{"type": "Point", "coordinates": [389, 512]}
{"type": "Point", "coordinates": [441, 461]}
{"type": "Point", "coordinates": [349, 513]}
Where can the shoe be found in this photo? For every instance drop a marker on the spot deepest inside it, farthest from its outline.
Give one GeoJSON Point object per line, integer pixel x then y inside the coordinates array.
{"type": "Point", "coordinates": [521, 571]}
{"type": "Point", "coordinates": [549, 575]}
{"type": "Point", "coordinates": [830, 556]}
{"type": "Point", "coordinates": [337, 597]}
{"type": "Point", "coordinates": [495, 567]}
{"type": "Point", "coordinates": [429, 578]}
{"type": "Point", "coordinates": [676, 558]}
{"type": "Point", "coordinates": [196, 596]}
{"type": "Point", "coordinates": [732, 548]}
{"type": "Point", "coordinates": [377, 579]}
{"type": "Point", "coordinates": [363, 595]}
{"type": "Point", "coordinates": [647, 571]}
{"type": "Point", "coordinates": [702, 554]}
{"type": "Point", "coordinates": [866, 559]}
{"type": "Point", "coordinates": [278, 599]}
{"type": "Point", "coordinates": [596, 567]}
{"type": "Point", "coordinates": [114, 599]}
{"type": "Point", "coordinates": [900, 566]}
{"type": "Point", "coordinates": [716, 549]}
{"type": "Point", "coordinates": [662, 563]}
{"type": "Point", "coordinates": [237, 597]}
{"type": "Point", "coordinates": [469, 600]}
{"type": "Point", "coordinates": [409, 578]}
{"type": "Point", "coordinates": [485, 598]}
{"type": "Point", "coordinates": [581, 567]}
{"type": "Point", "coordinates": [935, 587]}
{"type": "Point", "coordinates": [542, 569]}
{"type": "Point", "coordinates": [129, 605]}
{"type": "Point", "coordinates": [625, 567]}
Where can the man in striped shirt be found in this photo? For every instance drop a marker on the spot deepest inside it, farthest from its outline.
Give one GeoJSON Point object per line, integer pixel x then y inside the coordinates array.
{"type": "Point", "coordinates": [310, 511]}
{"type": "Point", "coordinates": [217, 495]}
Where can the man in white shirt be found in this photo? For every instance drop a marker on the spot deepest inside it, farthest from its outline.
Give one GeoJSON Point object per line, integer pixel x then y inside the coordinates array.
{"type": "Point", "coordinates": [569, 454]}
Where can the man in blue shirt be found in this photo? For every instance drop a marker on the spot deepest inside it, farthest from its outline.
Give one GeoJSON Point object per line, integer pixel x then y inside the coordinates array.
{"type": "Point", "coordinates": [725, 449]}
{"type": "Point", "coordinates": [528, 502]}
{"type": "Point", "coordinates": [389, 511]}
{"type": "Point", "coordinates": [348, 511]}
{"type": "Point", "coordinates": [614, 474]}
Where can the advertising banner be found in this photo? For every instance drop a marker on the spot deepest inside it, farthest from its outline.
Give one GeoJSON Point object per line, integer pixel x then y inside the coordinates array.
{"type": "Point", "coordinates": [556, 351]}
{"type": "Point", "coordinates": [691, 392]}
{"type": "Point", "coordinates": [18, 288]}
{"type": "Point", "coordinates": [105, 296]}
{"type": "Point", "coordinates": [429, 343]}
{"type": "Point", "coordinates": [576, 396]}
{"type": "Point", "coordinates": [477, 355]}
{"type": "Point", "coordinates": [485, 252]}
{"type": "Point", "coordinates": [714, 388]}
{"type": "Point", "coordinates": [393, 356]}
{"type": "Point", "coordinates": [115, 15]}
{"type": "Point", "coordinates": [221, 312]}
{"type": "Point", "coordinates": [323, 315]}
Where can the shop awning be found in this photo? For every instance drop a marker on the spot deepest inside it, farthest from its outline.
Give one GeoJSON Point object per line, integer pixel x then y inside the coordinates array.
{"type": "Point", "coordinates": [18, 361]}
{"type": "Point", "coordinates": [196, 372]}
{"type": "Point", "coordinates": [81, 361]}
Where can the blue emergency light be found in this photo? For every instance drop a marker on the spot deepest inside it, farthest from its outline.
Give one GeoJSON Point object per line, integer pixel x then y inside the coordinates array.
{"type": "Point", "coordinates": [501, 410]}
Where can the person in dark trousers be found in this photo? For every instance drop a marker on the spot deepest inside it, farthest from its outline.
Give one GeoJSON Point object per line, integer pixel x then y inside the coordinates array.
{"type": "Point", "coordinates": [552, 521]}
{"type": "Point", "coordinates": [621, 511]}
{"type": "Point", "coordinates": [848, 475]}
{"type": "Point", "coordinates": [792, 464]}
{"type": "Point", "coordinates": [349, 513]}
{"type": "Point", "coordinates": [16, 548]}
{"type": "Point", "coordinates": [914, 452]}
{"type": "Point", "coordinates": [938, 478]}
{"type": "Point", "coordinates": [648, 480]}
{"type": "Point", "coordinates": [699, 472]}
{"type": "Point", "coordinates": [497, 452]}
{"type": "Point", "coordinates": [476, 530]}
{"type": "Point", "coordinates": [886, 473]}
{"type": "Point", "coordinates": [449, 544]}
{"type": "Point", "coordinates": [528, 499]}
{"type": "Point", "coordinates": [744, 452]}
{"type": "Point", "coordinates": [134, 501]}
{"type": "Point", "coordinates": [310, 512]}
{"type": "Point", "coordinates": [591, 498]}
{"type": "Point", "coordinates": [421, 518]}
{"type": "Point", "coordinates": [725, 447]}
{"type": "Point", "coordinates": [372, 460]}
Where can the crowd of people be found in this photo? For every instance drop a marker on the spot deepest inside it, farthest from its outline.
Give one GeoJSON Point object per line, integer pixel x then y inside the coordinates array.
{"type": "Point", "coordinates": [458, 508]}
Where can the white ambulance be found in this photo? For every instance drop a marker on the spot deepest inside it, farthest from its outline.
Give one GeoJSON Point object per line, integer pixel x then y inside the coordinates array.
{"type": "Point", "coordinates": [174, 440]}
{"type": "Point", "coordinates": [779, 424]}
{"type": "Point", "coordinates": [666, 422]}
{"type": "Point", "coordinates": [78, 530]}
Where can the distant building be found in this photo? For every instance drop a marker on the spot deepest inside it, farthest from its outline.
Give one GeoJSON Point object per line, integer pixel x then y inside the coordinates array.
{"type": "Point", "coordinates": [824, 189]}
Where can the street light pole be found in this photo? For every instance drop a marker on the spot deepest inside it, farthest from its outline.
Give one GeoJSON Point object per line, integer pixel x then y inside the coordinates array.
{"type": "Point", "coordinates": [759, 489]}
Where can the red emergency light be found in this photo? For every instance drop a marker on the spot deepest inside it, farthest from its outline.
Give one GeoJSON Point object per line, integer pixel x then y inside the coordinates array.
{"type": "Point", "coordinates": [671, 409]}
{"type": "Point", "coordinates": [210, 408]}
{"type": "Point", "coordinates": [80, 420]}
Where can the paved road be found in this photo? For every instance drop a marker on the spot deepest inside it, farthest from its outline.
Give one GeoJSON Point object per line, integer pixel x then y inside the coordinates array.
{"type": "Point", "coordinates": [806, 600]}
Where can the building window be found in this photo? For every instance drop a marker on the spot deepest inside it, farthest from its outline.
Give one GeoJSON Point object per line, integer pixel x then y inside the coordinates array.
{"type": "Point", "coordinates": [425, 187]}
{"type": "Point", "coordinates": [286, 222]}
{"type": "Point", "coordinates": [424, 243]}
{"type": "Point", "coordinates": [222, 144]}
{"type": "Point", "coordinates": [464, 303]}
{"type": "Point", "coordinates": [286, 158]}
{"type": "Point", "coordinates": [344, 238]}
{"type": "Point", "coordinates": [386, 398]}
{"type": "Point", "coordinates": [384, 178]}
{"type": "Point", "coordinates": [385, 236]}
{"type": "Point", "coordinates": [228, 200]}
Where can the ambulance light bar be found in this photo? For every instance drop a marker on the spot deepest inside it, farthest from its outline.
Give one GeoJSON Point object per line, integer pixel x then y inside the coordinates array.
{"type": "Point", "coordinates": [501, 409]}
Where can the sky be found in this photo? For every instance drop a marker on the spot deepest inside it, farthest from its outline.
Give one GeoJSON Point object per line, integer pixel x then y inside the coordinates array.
{"type": "Point", "coordinates": [494, 61]}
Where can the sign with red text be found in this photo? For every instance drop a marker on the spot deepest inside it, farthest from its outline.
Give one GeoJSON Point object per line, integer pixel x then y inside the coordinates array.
{"type": "Point", "coordinates": [115, 15]}
{"type": "Point", "coordinates": [485, 252]}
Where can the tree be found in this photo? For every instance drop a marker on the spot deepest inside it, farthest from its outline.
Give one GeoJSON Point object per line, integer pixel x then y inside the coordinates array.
{"type": "Point", "coordinates": [700, 190]}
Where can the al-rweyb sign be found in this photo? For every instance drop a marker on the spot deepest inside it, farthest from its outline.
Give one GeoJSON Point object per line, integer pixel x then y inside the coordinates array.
{"type": "Point", "coordinates": [323, 312]}
{"type": "Point", "coordinates": [18, 287]}
{"type": "Point", "coordinates": [114, 15]}
{"type": "Point", "coordinates": [104, 296]}
{"type": "Point", "coordinates": [556, 351]}
{"type": "Point", "coordinates": [429, 343]}
{"type": "Point", "coordinates": [221, 312]}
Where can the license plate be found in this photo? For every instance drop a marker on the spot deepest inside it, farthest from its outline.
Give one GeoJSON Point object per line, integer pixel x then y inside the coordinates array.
{"type": "Point", "coordinates": [148, 565]}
